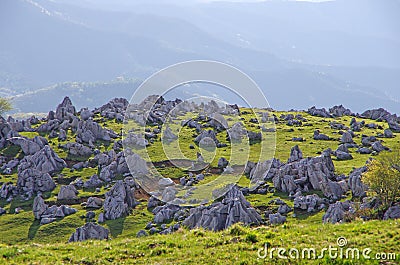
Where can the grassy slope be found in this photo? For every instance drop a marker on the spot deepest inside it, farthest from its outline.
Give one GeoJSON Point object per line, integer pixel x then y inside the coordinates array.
{"type": "Point", "coordinates": [26, 241]}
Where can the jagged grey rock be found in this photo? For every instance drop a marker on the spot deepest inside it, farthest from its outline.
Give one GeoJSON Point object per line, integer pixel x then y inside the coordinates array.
{"type": "Point", "coordinates": [94, 202]}
{"type": "Point", "coordinates": [232, 209]}
{"type": "Point", "coordinates": [31, 181]}
{"type": "Point", "coordinates": [340, 155]}
{"type": "Point", "coordinates": [165, 213]}
{"type": "Point", "coordinates": [358, 189]}
{"type": "Point", "coordinates": [39, 207]}
{"type": "Point", "coordinates": [295, 154]}
{"type": "Point", "coordinates": [284, 209]}
{"type": "Point", "coordinates": [93, 182]}
{"type": "Point", "coordinates": [137, 165]}
{"type": "Point", "coordinates": [392, 213]}
{"type": "Point", "coordinates": [168, 135]}
{"type": "Point", "coordinates": [65, 110]}
{"type": "Point", "coordinates": [333, 190]}
{"type": "Point", "coordinates": [276, 219]}
{"type": "Point", "coordinates": [222, 162]}
{"type": "Point", "coordinates": [320, 136]}
{"type": "Point", "coordinates": [68, 192]}
{"type": "Point", "coordinates": [86, 114]}
{"type": "Point", "coordinates": [378, 147]}
{"type": "Point", "coordinates": [77, 149]}
{"type": "Point", "coordinates": [339, 111]}
{"type": "Point", "coordinates": [388, 133]}
{"type": "Point", "coordinates": [90, 131]}
{"type": "Point", "coordinates": [62, 136]}
{"type": "Point", "coordinates": [45, 160]}
{"type": "Point", "coordinates": [89, 231]}
{"type": "Point", "coordinates": [169, 194]}
{"type": "Point", "coordinates": [135, 141]}
{"type": "Point", "coordinates": [319, 112]}
{"type": "Point", "coordinates": [364, 150]}
{"type": "Point", "coordinates": [311, 203]}
{"type": "Point", "coordinates": [336, 212]}
{"type": "Point", "coordinates": [8, 190]}
{"type": "Point", "coordinates": [28, 146]}
{"type": "Point", "coordinates": [346, 138]}
{"type": "Point", "coordinates": [210, 134]}
{"type": "Point", "coordinates": [119, 201]}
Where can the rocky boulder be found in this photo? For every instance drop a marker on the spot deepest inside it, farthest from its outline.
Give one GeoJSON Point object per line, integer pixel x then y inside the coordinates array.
{"type": "Point", "coordinates": [119, 201]}
{"type": "Point", "coordinates": [90, 131]}
{"type": "Point", "coordinates": [339, 111]}
{"type": "Point", "coordinates": [276, 219]}
{"type": "Point", "coordinates": [319, 112]}
{"type": "Point", "coordinates": [295, 154]}
{"type": "Point", "coordinates": [93, 182]}
{"type": "Point", "coordinates": [358, 189]}
{"type": "Point", "coordinates": [68, 192]}
{"type": "Point", "coordinates": [346, 138]}
{"type": "Point", "coordinates": [320, 136]}
{"type": "Point", "coordinates": [39, 207]}
{"type": "Point", "coordinates": [168, 135]}
{"type": "Point", "coordinates": [336, 212]}
{"type": "Point", "coordinates": [94, 202]}
{"type": "Point", "coordinates": [31, 181]}
{"type": "Point", "coordinates": [310, 203]}
{"type": "Point", "coordinates": [45, 160]}
{"type": "Point", "coordinates": [77, 149]}
{"type": "Point", "coordinates": [392, 213]}
{"type": "Point", "coordinates": [232, 209]}
{"type": "Point", "coordinates": [65, 110]}
{"type": "Point", "coordinates": [28, 146]}
{"type": "Point", "coordinates": [89, 231]}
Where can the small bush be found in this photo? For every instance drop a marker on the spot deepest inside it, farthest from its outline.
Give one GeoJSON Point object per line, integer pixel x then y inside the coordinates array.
{"type": "Point", "coordinates": [252, 238]}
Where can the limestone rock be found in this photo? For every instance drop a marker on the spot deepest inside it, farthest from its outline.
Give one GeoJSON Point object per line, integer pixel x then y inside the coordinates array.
{"type": "Point", "coordinates": [320, 136]}
{"type": "Point", "coordinates": [65, 109]}
{"type": "Point", "coordinates": [28, 146]}
{"type": "Point", "coordinates": [392, 213]}
{"type": "Point", "coordinates": [77, 149]}
{"type": "Point", "coordinates": [336, 212]}
{"type": "Point", "coordinates": [276, 219]}
{"type": "Point", "coordinates": [94, 202]}
{"type": "Point", "coordinates": [93, 182]}
{"type": "Point", "coordinates": [295, 154]}
{"type": "Point", "coordinates": [68, 192]}
{"type": "Point", "coordinates": [119, 201]}
{"type": "Point", "coordinates": [89, 231]}
{"type": "Point", "coordinates": [232, 209]}
{"type": "Point", "coordinates": [358, 189]}
{"type": "Point", "coordinates": [39, 207]}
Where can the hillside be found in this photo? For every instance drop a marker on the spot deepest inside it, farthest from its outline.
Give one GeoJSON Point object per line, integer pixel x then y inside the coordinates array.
{"type": "Point", "coordinates": [191, 183]}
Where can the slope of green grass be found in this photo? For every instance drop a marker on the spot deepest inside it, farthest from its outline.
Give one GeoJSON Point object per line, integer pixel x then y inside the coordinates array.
{"type": "Point", "coordinates": [25, 241]}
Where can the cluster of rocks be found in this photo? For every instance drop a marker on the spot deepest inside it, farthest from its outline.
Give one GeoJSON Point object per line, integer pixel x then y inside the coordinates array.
{"type": "Point", "coordinates": [115, 109]}
{"type": "Point", "coordinates": [191, 179]}
{"type": "Point", "coordinates": [232, 209]}
{"type": "Point", "coordinates": [47, 214]}
{"type": "Point", "coordinates": [34, 171]}
{"type": "Point", "coordinates": [293, 120]}
{"type": "Point", "coordinates": [8, 191]}
{"type": "Point", "coordinates": [89, 231]}
{"type": "Point", "coordinates": [336, 111]}
{"type": "Point", "coordinates": [310, 203]}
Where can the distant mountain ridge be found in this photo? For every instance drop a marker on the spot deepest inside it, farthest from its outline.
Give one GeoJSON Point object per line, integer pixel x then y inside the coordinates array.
{"type": "Point", "coordinates": [50, 42]}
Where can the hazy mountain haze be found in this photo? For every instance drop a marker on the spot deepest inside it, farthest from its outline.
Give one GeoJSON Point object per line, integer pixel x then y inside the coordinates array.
{"type": "Point", "coordinates": [301, 53]}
